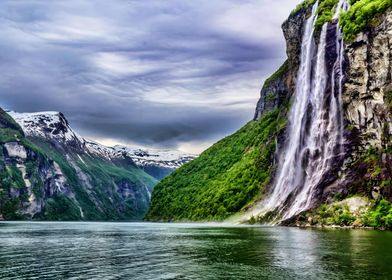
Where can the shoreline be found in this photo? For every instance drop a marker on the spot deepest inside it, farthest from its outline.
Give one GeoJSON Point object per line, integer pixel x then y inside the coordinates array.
{"type": "Point", "coordinates": [212, 224]}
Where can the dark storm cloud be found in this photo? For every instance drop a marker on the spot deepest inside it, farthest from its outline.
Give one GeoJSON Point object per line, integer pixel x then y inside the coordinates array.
{"type": "Point", "coordinates": [162, 73]}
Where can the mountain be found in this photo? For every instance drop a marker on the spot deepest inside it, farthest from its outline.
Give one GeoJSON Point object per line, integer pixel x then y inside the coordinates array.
{"type": "Point", "coordinates": [157, 163]}
{"type": "Point", "coordinates": [46, 173]}
{"type": "Point", "coordinates": [54, 128]}
{"type": "Point", "coordinates": [318, 151]}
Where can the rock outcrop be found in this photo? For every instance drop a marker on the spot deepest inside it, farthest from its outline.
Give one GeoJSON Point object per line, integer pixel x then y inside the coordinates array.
{"type": "Point", "coordinates": [368, 84]}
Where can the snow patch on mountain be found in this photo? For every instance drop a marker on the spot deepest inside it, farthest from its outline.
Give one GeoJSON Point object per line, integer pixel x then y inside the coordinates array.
{"type": "Point", "coordinates": [48, 125]}
{"type": "Point", "coordinates": [54, 126]}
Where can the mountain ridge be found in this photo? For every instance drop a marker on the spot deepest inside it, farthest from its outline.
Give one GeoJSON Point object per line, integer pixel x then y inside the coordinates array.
{"type": "Point", "coordinates": [54, 127]}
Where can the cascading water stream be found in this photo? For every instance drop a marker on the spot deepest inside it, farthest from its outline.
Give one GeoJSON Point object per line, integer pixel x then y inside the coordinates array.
{"type": "Point", "coordinates": [315, 141]}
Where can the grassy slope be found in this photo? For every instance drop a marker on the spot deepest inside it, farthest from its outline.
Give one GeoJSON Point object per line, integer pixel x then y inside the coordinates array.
{"type": "Point", "coordinates": [9, 129]}
{"type": "Point", "coordinates": [222, 180]}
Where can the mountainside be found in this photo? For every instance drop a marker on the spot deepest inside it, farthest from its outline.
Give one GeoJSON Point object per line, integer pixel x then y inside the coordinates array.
{"type": "Point", "coordinates": [318, 151]}
{"type": "Point", "coordinates": [54, 128]}
{"type": "Point", "coordinates": [48, 175]}
{"type": "Point", "coordinates": [157, 163]}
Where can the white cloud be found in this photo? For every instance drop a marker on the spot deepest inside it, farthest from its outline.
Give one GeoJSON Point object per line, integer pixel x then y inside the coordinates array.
{"type": "Point", "coordinates": [117, 64]}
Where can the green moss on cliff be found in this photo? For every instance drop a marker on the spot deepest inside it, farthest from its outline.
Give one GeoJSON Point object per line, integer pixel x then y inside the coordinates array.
{"type": "Point", "coordinates": [223, 179]}
{"type": "Point", "coordinates": [105, 176]}
{"type": "Point", "coordinates": [303, 6]}
{"type": "Point", "coordinates": [103, 201]}
{"type": "Point", "coordinates": [361, 15]}
{"type": "Point", "coordinates": [278, 74]}
{"type": "Point", "coordinates": [9, 130]}
{"type": "Point", "coordinates": [325, 12]}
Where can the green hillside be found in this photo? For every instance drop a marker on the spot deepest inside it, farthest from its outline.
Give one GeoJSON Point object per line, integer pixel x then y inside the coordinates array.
{"type": "Point", "coordinates": [224, 179]}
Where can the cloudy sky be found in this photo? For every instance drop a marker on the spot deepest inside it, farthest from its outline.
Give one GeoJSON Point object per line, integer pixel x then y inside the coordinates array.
{"type": "Point", "coordinates": [166, 74]}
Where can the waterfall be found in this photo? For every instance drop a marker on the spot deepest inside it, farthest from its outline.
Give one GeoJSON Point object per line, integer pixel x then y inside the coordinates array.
{"type": "Point", "coordinates": [315, 140]}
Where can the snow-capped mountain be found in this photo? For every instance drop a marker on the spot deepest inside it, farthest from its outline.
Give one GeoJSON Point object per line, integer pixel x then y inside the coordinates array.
{"type": "Point", "coordinates": [157, 163]}
{"type": "Point", "coordinates": [48, 125]}
{"type": "Point", "coordinates": [57, 178]}
{"type": "Point", "coordinates": [54, 127]}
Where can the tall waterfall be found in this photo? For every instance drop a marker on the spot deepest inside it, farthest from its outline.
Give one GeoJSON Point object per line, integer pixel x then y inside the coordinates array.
{"type": "Point", "coordinates": [315, 140]}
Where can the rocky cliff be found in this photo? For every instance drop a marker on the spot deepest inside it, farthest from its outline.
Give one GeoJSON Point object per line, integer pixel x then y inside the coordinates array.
{"type": "Point", "coordinates": [362, 168]}
{"type": "Point", "coordinates": [366, 95]}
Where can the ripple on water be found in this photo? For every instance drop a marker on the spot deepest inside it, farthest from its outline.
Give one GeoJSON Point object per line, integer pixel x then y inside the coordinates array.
{"type": "Point", "coordinates": [189, 251]}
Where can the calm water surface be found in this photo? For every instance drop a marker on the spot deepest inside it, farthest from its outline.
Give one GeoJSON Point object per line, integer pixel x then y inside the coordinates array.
{"type": "Point", "coordinates": [189, 251]}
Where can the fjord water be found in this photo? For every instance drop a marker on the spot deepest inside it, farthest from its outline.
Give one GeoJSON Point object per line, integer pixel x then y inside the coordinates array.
{"type": "Point", "coordinates": [189, 251]}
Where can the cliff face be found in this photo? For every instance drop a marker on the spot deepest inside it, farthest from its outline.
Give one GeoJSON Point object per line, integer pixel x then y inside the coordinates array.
{"type": "Point", "coordinates": [280, 86]}
{"type": "Point", "coordinates": [368, 113]}
{"type": "Point", "coordinates": [368, 84]}
{"type": "Point", "coordinates": [366, 98]}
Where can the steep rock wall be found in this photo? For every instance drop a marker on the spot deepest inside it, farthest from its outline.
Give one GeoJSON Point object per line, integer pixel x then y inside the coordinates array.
{"type": "Point", "coordinates": [366, 95]}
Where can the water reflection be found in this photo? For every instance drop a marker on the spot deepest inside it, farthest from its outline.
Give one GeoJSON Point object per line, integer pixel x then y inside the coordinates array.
{"type": "Point", "coordinates": [189, 251]}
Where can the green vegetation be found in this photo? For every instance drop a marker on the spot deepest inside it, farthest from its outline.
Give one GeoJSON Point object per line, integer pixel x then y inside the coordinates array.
{"type": "Point", "coordinates": [9, 135]}
{"type": "Point", "coordinates": [9, 129]}
{"type": "Point", "coordinates": [279, 73]}
{"type": "Point", "coordinates": [361, 15]}
{"type": "Point", "coordinates": [380, 216]}
{"type": "Point", "coordinates": [15, 177]}
{"type": "Point", "coordinates": [371, 169]}
{"type": "Point", "coordinates": [325, 11]}
{"type": "Point", "coordinates": [61, 208]}
{"type": "Point", "coordinates": [9, 206]}
{"type": "Point", "coordinates": [303, 6]}
{"type": "Point", "coordinates": [222, 180]}
{"type": "Point", "coordinates": [104, 175]}
{"type": "Point", "coordinates": [10, 177]}
{"type": "Point", "coordinates": [102, 202]}
{"type": "Point", "coordinates": [333, 215]}
{"type": "Point", "coordinates": [6, 121]}
{"type": "Point", "coordinates": [377, 216]}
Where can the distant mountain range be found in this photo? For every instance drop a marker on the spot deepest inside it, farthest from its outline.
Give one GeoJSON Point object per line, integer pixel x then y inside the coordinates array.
{"type": "Point", "coordinates": [49, 172]}
{"type": "Point", "coordinates": [54, 127]}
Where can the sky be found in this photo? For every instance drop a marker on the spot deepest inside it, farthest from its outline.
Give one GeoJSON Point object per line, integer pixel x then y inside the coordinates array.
{"type": "Point", "coordinates": [176, 74]}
